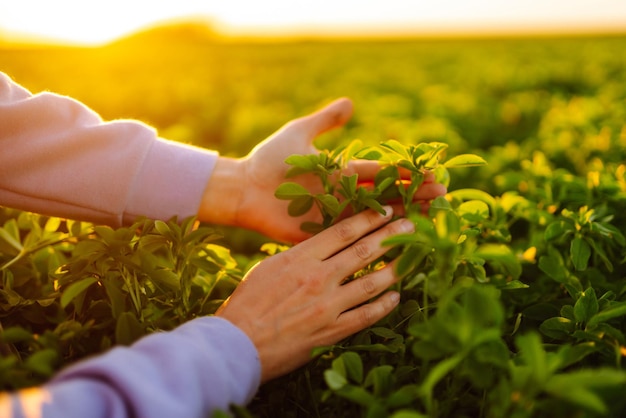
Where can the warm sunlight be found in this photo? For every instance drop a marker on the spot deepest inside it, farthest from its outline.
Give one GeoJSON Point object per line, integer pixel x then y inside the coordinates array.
{"type": "Point", "coordinates": [100, 21]}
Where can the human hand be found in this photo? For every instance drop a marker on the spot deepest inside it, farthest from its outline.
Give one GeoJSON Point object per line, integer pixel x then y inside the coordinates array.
{"type": "Point", "coordinates": [248, 184]}
{"type": "Point", "coordinates": [296, 300]}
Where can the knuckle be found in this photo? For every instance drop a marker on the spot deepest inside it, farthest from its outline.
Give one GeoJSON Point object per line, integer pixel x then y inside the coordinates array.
{"type": "Point", "coordinates": [368, 285]}
{"type": "Point", "coordinates": [362, 250]}
{"type": "Point", "coordinates": [315, 284]}
{"type": "Point", "coordinates": [344, 231]}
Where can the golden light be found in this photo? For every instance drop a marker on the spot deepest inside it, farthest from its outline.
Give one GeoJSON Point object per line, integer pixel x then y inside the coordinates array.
{"type": "Point", "coordinates": [91, 22]}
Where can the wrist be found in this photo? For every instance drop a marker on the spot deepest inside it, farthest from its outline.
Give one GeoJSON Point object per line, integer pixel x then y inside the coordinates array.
{"type": "Point", "coordinates": [222, 196]}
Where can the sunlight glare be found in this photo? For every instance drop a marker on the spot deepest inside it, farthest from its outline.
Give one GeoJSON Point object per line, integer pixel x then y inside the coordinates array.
{"type": "Point", "coordinates": [98, 21]}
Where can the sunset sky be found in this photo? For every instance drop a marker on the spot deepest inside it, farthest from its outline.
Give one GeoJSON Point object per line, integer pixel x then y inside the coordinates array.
{"type": "Point", "coordinates": [97, 21]}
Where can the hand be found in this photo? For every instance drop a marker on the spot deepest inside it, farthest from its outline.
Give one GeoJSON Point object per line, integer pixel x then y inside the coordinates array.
{"type": "Point", "coordinates": [248, 184]}
{"type": "Point", "coordinates": [295, 301]}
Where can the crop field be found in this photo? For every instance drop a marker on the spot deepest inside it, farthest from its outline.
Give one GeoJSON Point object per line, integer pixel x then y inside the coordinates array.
{"type": "Point", "coordinates": [514, 289]}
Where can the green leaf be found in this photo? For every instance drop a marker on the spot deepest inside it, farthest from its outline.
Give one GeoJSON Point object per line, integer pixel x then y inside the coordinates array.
{"type": "Point", "coordinates": [353, 147]}
{"type": "Point", "coordinates": [52, 224]}
{"type": "Point", "coordinates": [586, 306]}
{"type": "Point", "coordinates": [404, 396]}
{"type": "Point", "coordinates": [473, 194]}
{"type": "Point", "coordinates": [76, 289]}
{"type": "Point", "coordinates": [412, 256]}
{"type": "Point", "coordinates": [380, 378]}
{"type": "Point", "coordinates": [558, 229]}
{"type": "Point", "coordinates": [386, 182]}
{"type": "Point", "coordinates": [290, 190]}
{"type": "Point", "coordinates": [554, 267]}
{"type": "Point", "coordinates": [369, 153]}
{"type": "Point", "coordinates": [10, 233]}
{"type": "Point", "coordinates": [384, 332]}
{"type": "Point", "coordinates": [409, 413]}
{"type": "Point", "coordinates": [329, 203]}
{"type": "Point", "coordinates": [599, 251]}
{"type": "Point", "coordinates": [579, 387]}
{"type": "Point", "coordinates": [300, 205]}
{"type": "Point", "coordinates": [576, 395]}
{"type": "Point", "coordinates": [397, 147]}
{"type": "Point", "coordinates": [572, 354]}
{"type": "Point", "coordinates": [312, 227]}
{"type": "Point", "coordinates": [557, 327]}
{"type": "Point", "coordinates": [439, 203]}
{"type": "Point", "coordinates": [348, 185]}
{"type": "Point", "coordinates": [15, 334]}
{"type": "Point", "coordinates": [117, 299]}
{"type": "Point", "coordinates": [373, 204]}
{"type": "Point", "coordinates": [334, 379]}
{"type": "Point", "coordinates": [614, 311]}
{"type": "Point", "coordinates": [106, 233]}
{"type": "Point", "coordinates": [609, 231]}
{"type": "Point", "coordinates": [514, 285]}
{"type": "Point", "coordinates": [128, 329]}
{"type": "Point", "coordinates": [465, 160]}
{"type": "Point", "coordinates": [353, 365]}
{"type": "Point", "coordinates": [580, 253]}
{"type": "Point", "coordinates": [43, 362]}
{"type": "Point", "coordinates": [438, 372]}
{"type": "Point", "coordinates": [474, 211]}
{"type": "Point", "coordinates": [162, 228]}
{"type": "Point", "coordinates": [304, 162]}
{"type": "Point", "coordinates": [166, 278]}
{"type": "Point", "coordinates": [502, 256]}
{"type": "Point", "coordinates": [357, 395]}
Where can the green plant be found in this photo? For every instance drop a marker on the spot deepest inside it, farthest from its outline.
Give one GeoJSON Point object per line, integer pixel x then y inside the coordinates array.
{"type": "Point", "coordinates": [70, 289]}
{"type": "Point", "coordinates": [455, 345]}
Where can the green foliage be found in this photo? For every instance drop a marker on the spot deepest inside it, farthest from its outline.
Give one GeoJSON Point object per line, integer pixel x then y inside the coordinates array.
{"type": "Point", "coordinates": [70, 289]}
{"type": "Point", "coordinates": [513, 292]}
{"type": "Point", "coordinates": [468, 286]}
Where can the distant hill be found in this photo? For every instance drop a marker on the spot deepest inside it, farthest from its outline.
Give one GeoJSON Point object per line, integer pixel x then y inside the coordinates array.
{"type": "Point", "coordinates": [175, 32]}
{"type": "Point", "coordinates": [185, 31]}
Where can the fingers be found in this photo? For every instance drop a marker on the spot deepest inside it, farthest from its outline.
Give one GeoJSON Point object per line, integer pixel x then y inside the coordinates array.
{"type": "Point", "coordinates": [365, 288]}
{"type": "Point", "coordinates": [334, 115]}
{"type": "Point", "coordinates": [366, 250]}
{"type": "Point", "coordinates": [355, 320]}
{"type": "Point", "coordinates": [429, 191]}
{"type": "Point", "coordinates": [339, 236]}
{"type": "Point", "coordinates": [366, 169]}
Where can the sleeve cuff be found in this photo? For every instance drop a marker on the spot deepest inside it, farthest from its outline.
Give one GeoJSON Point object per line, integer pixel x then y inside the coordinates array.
{"type": "Point", "coordinates": [170, 182]}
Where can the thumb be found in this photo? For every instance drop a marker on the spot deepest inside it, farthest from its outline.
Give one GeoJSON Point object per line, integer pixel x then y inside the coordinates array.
{"type": "Point", "coordinates": [331, 116]}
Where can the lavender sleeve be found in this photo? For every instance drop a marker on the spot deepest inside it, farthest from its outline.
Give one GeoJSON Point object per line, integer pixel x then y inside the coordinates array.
{"type": "Point", "coordinates": [57, 157]}
{"type": "Point", "coordinates": [202, 366]}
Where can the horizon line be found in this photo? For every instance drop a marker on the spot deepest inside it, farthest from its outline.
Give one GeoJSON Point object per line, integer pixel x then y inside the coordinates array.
{"type": "Point", "coordinates": [327, 33]}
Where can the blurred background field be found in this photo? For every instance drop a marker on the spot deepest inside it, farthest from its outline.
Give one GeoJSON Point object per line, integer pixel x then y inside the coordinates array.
{"type": "Point", "coordinates": [503, 96]}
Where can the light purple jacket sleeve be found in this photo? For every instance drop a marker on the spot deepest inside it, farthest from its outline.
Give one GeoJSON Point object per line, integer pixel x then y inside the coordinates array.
{"type": "Point", "coordinates": [57, 157]}
{"type": "Point", "coordinates": [204, 365]}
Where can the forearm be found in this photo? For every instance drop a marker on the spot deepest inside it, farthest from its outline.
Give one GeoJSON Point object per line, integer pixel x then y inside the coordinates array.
{"type": "Point", "coordinates": [204, 365]}
{"type": "Point", "coordinates": [59, 158]}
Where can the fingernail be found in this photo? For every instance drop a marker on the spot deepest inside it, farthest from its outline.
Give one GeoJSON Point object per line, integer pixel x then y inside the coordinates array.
{"type": "Point", "coordinates": [394, 297]}
{"type": "Point", "coordinates": [406, 225]}
{"type": "Point", "coordinates": [388, 210]}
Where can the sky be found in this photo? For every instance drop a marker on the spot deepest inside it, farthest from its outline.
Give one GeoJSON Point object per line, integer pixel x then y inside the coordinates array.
{"type": "Point", "coordinates": [99, 21]}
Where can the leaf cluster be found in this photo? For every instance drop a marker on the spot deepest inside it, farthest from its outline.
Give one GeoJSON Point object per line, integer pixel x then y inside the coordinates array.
{"type": "Point", "coordinates": [70, 289]}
